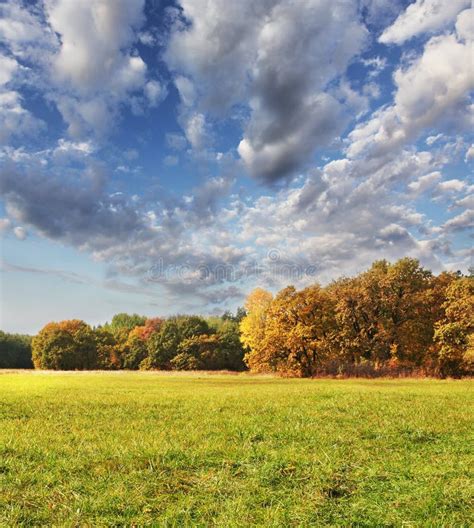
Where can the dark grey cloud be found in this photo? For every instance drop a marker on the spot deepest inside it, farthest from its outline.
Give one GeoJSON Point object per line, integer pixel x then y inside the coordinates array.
{"type": "Point", "coordinates": [80, 212]}
{"type": "Point", "coordinates": [278, 58]}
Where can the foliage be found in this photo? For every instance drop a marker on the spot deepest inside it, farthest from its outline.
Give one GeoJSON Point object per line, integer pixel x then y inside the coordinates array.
{"type": "Point", "coordinates": [384, 317]}
{"type": "Point", "coordinates": [185, 361]}
{"type": "Point", "coordinates": [15, 351]}
{"type": "Point", "coordinates": [162, 346]}
{"type": "Point", "coordinates": [299, 329]}
{"type": "Point", "coordinates": [253, 326]}
{"type": "Point", "coordinates": [67, 345]}
{"type": "Point", "coordinates": [134, 351]}
{"type": "Point", "coordinates": [454, 334]}
{"type": "Point", "coordinates": [124, 321]}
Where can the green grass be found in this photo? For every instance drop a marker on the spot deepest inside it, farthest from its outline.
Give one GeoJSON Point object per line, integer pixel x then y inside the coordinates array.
{"type": "Point", "coordinates": [144, 449]}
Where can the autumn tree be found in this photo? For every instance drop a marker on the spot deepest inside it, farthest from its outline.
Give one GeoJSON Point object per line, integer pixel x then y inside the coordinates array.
{"type": "Point", "coordinates": [299, 331]}
{"type": "Point", "coordinates": [67, 345]}
{"type": "Point", "coordinates": [454, 333]}
{"type": "Point", "coordinates": [150, 327]}
{"type": "Point", "coordinates": [385, 313]}
{"type": "Point", "coordinates": [252, 328]}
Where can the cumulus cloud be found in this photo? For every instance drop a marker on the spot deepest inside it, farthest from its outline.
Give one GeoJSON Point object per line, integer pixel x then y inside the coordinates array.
{"type": "Point", "coordinates": [277, 74]}
{"type": "Point", "coordinates": [423, 16]}
{"type": "Point", "coordinates": [94, 63]}
{"type": "Point", "coordinates": [452, 185]}
{"type": "Point", "coordinates": [81, 55]}
{"type": "Point", "coordinates": [425, 182]}
{"type": "Point", "coordinates": [465, 24]}
{"type": "Point", "coordinates": [461, 222]}
{"type": "Point", "coordinates": [15, 120]}
{"type": "Point", "coordinates": [278, 59]}
{"type": "Point", "coordinates": [155, 92]}
{"type": "Point", "coordinates": [432, 89]}
{"type": "Point", "coordinates": [211, 244]}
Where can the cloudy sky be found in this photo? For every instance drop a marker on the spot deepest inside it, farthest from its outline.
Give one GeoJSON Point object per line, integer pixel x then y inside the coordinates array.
{"type": "Point", "coordinates": [162, 157]}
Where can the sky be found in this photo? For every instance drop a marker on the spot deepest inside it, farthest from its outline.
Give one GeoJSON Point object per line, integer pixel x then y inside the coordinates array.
{"type": "Point", "coordinates": [167, 157]}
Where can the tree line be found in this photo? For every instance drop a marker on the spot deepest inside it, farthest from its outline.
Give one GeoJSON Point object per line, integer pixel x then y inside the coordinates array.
{"type": "Point", "coordinates": [15, 351]}
{"type": "Point", "coordinates": [392, 319]}
{"type": "Point", "coordinates": [184, 342]}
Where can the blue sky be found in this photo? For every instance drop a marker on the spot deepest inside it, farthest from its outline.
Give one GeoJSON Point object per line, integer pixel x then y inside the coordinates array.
{"type": "Point", "coordinates": [166, 157]}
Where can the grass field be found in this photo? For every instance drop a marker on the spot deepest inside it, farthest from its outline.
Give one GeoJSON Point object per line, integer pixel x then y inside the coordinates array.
{"type": "Point", "coordinates": [147, 449]}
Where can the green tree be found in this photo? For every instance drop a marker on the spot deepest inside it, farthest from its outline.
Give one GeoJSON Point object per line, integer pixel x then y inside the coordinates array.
{"type": "Point", "coordinates": [15, 351]}
{"type": "Point", "coordinates": [124, 321]}
{"type": "Point", "coordinates": [191, 325]}
{"type": "Point", "coordinates": [163, 346]}
{"type": "Point", "coordinates": [108, 350]}
{"type": "Point", "coordinates": [134, 352]}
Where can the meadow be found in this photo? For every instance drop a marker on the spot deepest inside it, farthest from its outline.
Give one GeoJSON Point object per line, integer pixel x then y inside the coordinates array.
{"type": "Point", "coordinates": [195, 449]}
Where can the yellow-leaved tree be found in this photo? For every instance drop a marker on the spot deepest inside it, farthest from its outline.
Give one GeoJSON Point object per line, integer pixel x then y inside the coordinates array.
{"type": "Point", "coordinates": [252, 328]}
{"type": "Point", "coordinates": [454, 334]}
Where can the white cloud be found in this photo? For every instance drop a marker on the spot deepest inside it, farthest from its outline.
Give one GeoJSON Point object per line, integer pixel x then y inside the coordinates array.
{"type": "Point", "coordinates": [431, 140]}
{"type": "Point", "coordinates": [19, 25]}
{"type": "Point", "coordinates": [465, 24]}
{"type": "Point", "coordinates": [15, 120]}
{"type": "Point", "coordinates": [196, 130]}
{"type": "Point", "coordinates": [423, 16]}
{"type": "Point", "coordinates": [81, 56]}
{"type": "Point", "coordinates": [5, 225]}
{"type": "Point", "coordinates": [85, 147]}
{"type": "Point", "coordinates": [425, 182]}
{"type": "Point", "coordinates": [466, 202]}
{"type": "Point", "coordinates": [453, 185]}
{"type": "Point", "coordinates": [93, 35]}
{"type": "Point", "coordinates": [7, 68]}
{"type": "Point", "coordinates": [20, 233]}
{"type": "Point", "coordinates": [155, 92]}
{"type": "Point", "coordinates": [433, 88]}
{"type": "Point", "coordinates": [461, 222]}
{"type": "Point", "coordinates": [469, 154]}
{"type": "Point", "coordinates": [375, 64]}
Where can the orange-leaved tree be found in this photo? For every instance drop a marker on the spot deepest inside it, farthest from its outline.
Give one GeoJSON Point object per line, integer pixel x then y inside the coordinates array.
{"type": "Point", "coordinates": [67, 345]}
